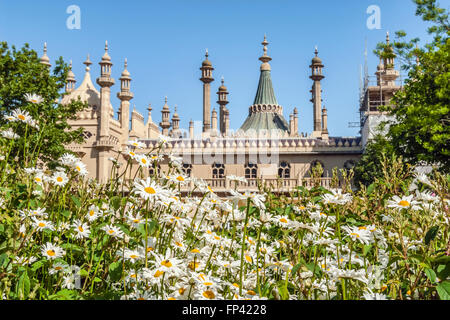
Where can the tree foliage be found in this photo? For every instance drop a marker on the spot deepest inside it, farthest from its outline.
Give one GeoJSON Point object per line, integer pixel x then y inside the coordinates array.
{"type": "Point", "coordinates": [22, 73]}
{"type": "Point", "coordinates": [419, 131]}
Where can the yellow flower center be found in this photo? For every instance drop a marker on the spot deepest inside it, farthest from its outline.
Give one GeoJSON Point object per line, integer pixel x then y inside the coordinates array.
{"type": "Point", "coordinates": [209, 294]}
{"type": "Point", "coordinates": [193, 266]}
{"type": "Point", "coordinates": [166, 263]}
{"type": "Point", "coordinates": [158, 274]}
{"type": "Point", "coordinates": [21, 117]}
{"type": "Point", "coordinates": [150, 190]}
{"type": "Point", "coordinates": [283, 220]}
{"type": "Point", "coordinates": [133, 256]}
{"type": "Point", "coordinates": [248, 258]}
{"type": "Point", "coordinates": [251, 292]}
{"type": "Point", "coordinates": [236, 285]}
{"type": "Point", "coordinates": [78, 168]}
{"type": "Point", "coordinates": [355, 234]}
{"type": "Point", "coordinates": [91, 213]}
{"type": "Point", "coordinates": [404, 203]}
{"type": "Point", "coordinates": [51, 253]}
{"type": "Point", "coordinates": [362, 228]}
{"type": "Point", "coordinates": [181, 291]}
{"type": "Point", "coordinates": [80, 228]}
{"type": "Point", "coordinates": [195, 251]}
{"type": "Point", "coordinates": [59, 179]}
{"type": "Point", "coordinates": [180, 178]}
{"type": "Point", "coordinates": [37, 179]}
{"type": "Point", "coordinates": [41, 224]}
{"type": "Point", "coordinates": [144, 161]}
{"type": "Point", "coordinates": [111, 231]}
{"type": "Point", "coordinates": [171, 298]}
{"type": "Point", "coordinates": [208, 283]}
{"type": "Point", "coordinates": [136, 220]}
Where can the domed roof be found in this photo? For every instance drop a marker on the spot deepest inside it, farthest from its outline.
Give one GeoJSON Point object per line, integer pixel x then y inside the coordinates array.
{"type": "Point", "coordinates": [206, 63]}
{"type": "Point", "coordinates": [316, 60]}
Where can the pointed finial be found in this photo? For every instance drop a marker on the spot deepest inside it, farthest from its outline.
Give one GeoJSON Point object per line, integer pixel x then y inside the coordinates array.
{"type": "Point", "coordinates": [265, 58]}
{"type": "Point", "coordinates": [44, 59]}
{"type": "Point", "coordinates": [387, 37]}
{"type": "Point", "coordinates": [126, 64]}
{"type": "Point", "coordinates": [165, 99]}
{"type": "Point", "coordinates": [206, 54]}
{"type": "Point", "coordinates": [316, 50]}
{"type": "Point", "coordinates": [106, 45]}
{"type": "Point", "coordinates": [87, 63]}
{"type": "Point", "coordinates": [223, 80]}
{"type": "Point", "coordinates": [70, 65]}
{"type": "Point", "coordinates": [149, 108]}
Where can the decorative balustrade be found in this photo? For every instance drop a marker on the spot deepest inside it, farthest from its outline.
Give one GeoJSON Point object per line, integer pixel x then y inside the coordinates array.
{"type": "Point", "coordinates": [276, 185]}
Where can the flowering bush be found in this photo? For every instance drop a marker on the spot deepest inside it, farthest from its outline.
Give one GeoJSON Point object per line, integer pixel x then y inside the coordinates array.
{"type": "Point", "coordinates": [63, 236]}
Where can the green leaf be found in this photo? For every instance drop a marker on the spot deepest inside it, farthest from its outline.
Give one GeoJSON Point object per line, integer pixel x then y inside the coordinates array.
{"type": "Point", "coordinates": [115, 271]}
{"type": "Point", "coordinates": [283, 291]}
{"type": "Point", "coordinates": [431, 275]}
{"type": "Point", "coordinates": [96, 279]}
{"type": "Point", "coordinates": [23, 286]}
{"type": "Point", "coordinates": [66, 213]}
{"type": "Point", "coordinates": [370, 188]}
{"type": "Point", "coordinates": [431, 234]}
{"type": "Point", "coordinates": [76, 200]}
{"type": "Point", "coordinates": [443, 271]}
{"type": "Point", "coordinates": [296, 268]}
{"type": "Point", "coordinates": [83, 273]}
{"type": "Point", "coordinates": [443, 290]}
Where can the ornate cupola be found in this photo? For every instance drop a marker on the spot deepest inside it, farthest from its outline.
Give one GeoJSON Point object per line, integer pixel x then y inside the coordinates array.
{"type": "Point", "coordinates": [70, 85]}
{"type": "Point", "coordinates": [317, 75]}
{"type": "Point", "coordinates": [222, 101]}
{"type": "Point", "coordinates": [206, 78]}
{"type": "Point", "coordinates": [165, 123]}
{"type": "Point", "coordinates": [265, 113]}
{"type": "Point", "coordinates": [176, 124]}
{"type": "Point", "coordinates": [105, 79]}
{"type": "Point", "coordinates": [45, 59]}
{"type": "Point", "coordinates": [125, 95]}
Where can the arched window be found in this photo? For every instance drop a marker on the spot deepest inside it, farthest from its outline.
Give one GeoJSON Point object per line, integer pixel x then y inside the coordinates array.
{"type": "Point", "coordinates": [218, 171]}
{"type": "Point", "coordinates": [251, 171]}
{"type": "Point", "coordinates": [284, 170]}
{"type": "Point", "coordinates": [315, 163]}
{"type": "Point", "coordinates": [187, 169]}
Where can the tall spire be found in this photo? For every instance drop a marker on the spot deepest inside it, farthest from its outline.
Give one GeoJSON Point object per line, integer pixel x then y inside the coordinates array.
{"type": "Point", "coordinates": [206, 79]}
{"type": "Point", "coordinates": [45, 59]}
{"type": "Point", "coordinates": [265, 93]}
{"type": "Point", "coordinates": [265, 113]}
{"type": "Point", "coordinates": [70, 86]}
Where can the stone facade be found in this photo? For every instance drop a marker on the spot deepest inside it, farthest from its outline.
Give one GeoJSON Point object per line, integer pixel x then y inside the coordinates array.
{"type": "Point", "coordinates": [267, 148]}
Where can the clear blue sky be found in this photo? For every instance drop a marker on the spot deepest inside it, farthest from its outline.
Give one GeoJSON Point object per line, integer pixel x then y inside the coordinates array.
{"type": "Point", "coordinates": [165, 41]}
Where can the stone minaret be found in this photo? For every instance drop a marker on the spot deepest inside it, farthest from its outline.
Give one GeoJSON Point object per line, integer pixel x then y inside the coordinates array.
{"type": "Point", "coordinates": [165, 123]}
{"type": "Point", "coordinates": [214, 123]}
{"type": "Point", "coordinates": [125, 95]}
{"type": "Point", "coordinates": [295, 122]}
{"type": "Point", "coordinates": [206, 79]}
{"type": "Point", "coordinates": [222, 101]}
{"type": "Point", "coordinates": [176, 124]}
{"type": "Point", "coordinates": [45, 59]}
{"type": "Point", "coordinates": [324, 124]}
{"type": "Point", "coordinates": [70, 85]}
{"type": "Point", "coordinates": [317, 75]}
{"type": "Point", "coordinates": [191, 129]}
{"type": "Point", "coordinates": [104, 145]}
